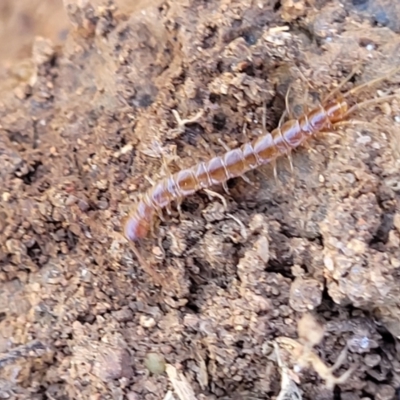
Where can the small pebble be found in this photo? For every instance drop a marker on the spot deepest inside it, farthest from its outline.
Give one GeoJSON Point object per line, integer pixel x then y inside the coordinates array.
{"type": "Point", "coordinates": [147, 322]}
{"type": "Point", "coordinates": [372, 360]}
{"type": "Point", "coordinates": [155, 363]}
{"type": "Point", "coordinates": [6, 196]}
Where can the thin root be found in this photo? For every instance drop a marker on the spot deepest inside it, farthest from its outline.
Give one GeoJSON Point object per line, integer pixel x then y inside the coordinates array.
{"type": "Point", "coordinates": [183, 122]}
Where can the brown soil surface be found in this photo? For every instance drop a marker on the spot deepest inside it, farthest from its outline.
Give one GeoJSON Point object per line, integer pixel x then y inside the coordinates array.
{"type": "Point", "coordinates": [87, 119]}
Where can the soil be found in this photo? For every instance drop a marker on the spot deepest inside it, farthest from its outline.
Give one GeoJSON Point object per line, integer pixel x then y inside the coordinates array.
{"type": "Point", "coordinates": [292, 270]}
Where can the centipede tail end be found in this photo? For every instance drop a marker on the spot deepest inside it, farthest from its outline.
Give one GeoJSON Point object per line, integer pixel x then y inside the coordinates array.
{"type": "Point", "coordinates": [136, 228]}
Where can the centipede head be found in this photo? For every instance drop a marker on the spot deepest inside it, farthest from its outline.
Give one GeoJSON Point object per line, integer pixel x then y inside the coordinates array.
{"type": "Point", "coordinates": [337, 109]}
{"type": "Point", "coordinates": [136, 228]}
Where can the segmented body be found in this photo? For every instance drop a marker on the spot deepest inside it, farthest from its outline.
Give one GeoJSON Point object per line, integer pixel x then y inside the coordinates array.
{"type": "Point", "coordinates": [262, 150]}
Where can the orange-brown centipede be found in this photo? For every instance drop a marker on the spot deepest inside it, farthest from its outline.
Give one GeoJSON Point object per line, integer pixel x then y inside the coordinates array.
{"type": "Point", "coordinates": [234, 163]}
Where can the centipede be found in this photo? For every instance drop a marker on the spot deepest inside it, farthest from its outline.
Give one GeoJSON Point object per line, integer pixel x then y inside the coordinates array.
{"type": "Point", "coordinates": [262, 150]}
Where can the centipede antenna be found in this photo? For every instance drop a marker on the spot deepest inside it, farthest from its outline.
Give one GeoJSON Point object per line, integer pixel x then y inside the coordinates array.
{"type": "Point", "coordinates": [282, 118]}
{"type": "Point", "coordinates": [372, 82]}
{"type": "Point", "coordinates": [341, 84]}
{"type": "Point", "coordinates": [369, 102]}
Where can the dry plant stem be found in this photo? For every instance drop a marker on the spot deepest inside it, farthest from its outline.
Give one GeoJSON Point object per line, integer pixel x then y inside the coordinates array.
{"type": "Point", "coordinates": [305, 357]}
{"type": "Point", "coordinates": [263, 150]}
{"type": "Point", "coordinates": [182, 122]}
{"type": "Point", "coordinates": [181, 386]}
{"type": "Point", "coordinates": [289, 389]}
{"type": "Point", "coordinates": [33, 348]}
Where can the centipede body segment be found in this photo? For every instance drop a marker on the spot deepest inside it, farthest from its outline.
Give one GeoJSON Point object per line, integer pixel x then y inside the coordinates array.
{"type": "Point", "coordinates": [262, 150]}
{"type": "Point", "coordinates": [234, 163]}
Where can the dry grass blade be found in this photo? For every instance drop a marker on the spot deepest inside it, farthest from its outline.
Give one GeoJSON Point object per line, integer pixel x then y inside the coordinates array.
{"type": "Point", "coordinates": [182, 387]}
{"type": "Point", "coordinates": [310, 334]}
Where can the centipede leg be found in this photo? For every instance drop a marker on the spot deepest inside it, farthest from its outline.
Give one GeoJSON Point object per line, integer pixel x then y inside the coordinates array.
{"type": "Point", "coordinates": [225, 187]}
{"type": "Point", "coordinates": [342, 83]}
{"type": "Point", "coordinates": [287, 109]}
{"type": "Point", "coordinates": [264, 119]}
{"type": "Point", "coordinates": [273, 163]}
{"type": "Point", "coordinates": [371, 82]}
{"type": "Point", "coordinates": [148, 179]}
{"type": "Point", "coordinates": [247, 180]}
{"type": "Point", "coordinates": [178, 207]}
{"type": "Point", "coordinates": [207, 147]}
{"type": "Point", "coordinates": [147, 267]}
{"type": "Point", "coordinates": [224, 145]}
{"type": "Point", "coordinates": [164, 165]}
{"type": "Point", "coordinates": [289, 156]}
{"type": "Point", "coordinates": [211, 194]}
{"type": "Point", "coordinates": [153, 230]}
{"type": "Point", "coordinates": [160, 215]}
